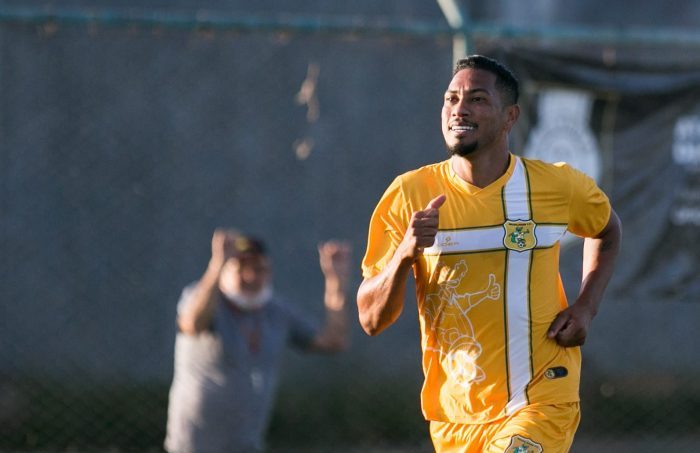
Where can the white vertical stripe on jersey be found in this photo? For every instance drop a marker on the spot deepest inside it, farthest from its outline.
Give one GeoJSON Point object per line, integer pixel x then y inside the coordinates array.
{"type": "Point", "coordinates": [517, 201]}
{"type": "Point", "coordinates": [517, 205]}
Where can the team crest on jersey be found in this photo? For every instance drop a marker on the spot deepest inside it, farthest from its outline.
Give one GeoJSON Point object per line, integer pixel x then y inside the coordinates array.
{"type": "Point", "coordinates": [519, 235]}
{"type": "Point", "coordinates": [519, 444]}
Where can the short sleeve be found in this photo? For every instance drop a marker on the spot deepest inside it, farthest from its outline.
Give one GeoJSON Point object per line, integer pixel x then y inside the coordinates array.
{"type": "Point", "coordinates": [589, 207]}
{"type": "Point", "coordinates": [185, 298]}
{"type": "Point", "coordinates": [387, 227]}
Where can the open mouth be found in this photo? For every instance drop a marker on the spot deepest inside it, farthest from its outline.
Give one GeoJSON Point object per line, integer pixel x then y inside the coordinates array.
{"type": "Point", "coordinates": [462, 128]}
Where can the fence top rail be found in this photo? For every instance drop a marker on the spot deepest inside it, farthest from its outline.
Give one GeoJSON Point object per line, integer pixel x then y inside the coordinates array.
{"type": "Point", "coordinates": [351, 24]}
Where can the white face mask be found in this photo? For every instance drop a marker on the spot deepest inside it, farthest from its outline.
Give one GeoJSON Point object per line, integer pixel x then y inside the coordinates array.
{"type": "Point", "coordinates": [246, 302]}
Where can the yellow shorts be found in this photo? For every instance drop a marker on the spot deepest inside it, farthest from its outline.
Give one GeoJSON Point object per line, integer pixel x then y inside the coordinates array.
{"type": "Point", "coordinates": [547, 428]}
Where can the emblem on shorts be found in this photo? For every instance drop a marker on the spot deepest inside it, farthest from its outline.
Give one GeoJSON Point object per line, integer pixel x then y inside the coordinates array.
{"type": "Point", "coordinates": [519, 444]}
{"type": "Point", "coordinates": [519, 235]}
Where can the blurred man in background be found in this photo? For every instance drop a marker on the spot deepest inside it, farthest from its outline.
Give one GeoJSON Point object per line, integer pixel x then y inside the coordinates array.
{"type": "Point", "coordinates": [480, 231]}
{"type": "Point", "coordinates": [232, 332]}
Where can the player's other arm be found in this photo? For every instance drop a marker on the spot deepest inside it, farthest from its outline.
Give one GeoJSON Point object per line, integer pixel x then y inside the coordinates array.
{"type": "Point", "coordinates": [599, 255]}
{"type": "Point", "coordinates": [570, 327]}
{"type": "Point", "coordinates": [380, 297]}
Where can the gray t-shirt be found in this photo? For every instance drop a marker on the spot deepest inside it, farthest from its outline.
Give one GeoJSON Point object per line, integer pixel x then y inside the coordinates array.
{"type": "Point", "coordinates": [225, 378]}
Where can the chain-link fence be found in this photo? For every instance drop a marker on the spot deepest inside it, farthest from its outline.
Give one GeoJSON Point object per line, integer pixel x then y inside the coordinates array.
{"type": "Point", "coordinates": [124, 145]}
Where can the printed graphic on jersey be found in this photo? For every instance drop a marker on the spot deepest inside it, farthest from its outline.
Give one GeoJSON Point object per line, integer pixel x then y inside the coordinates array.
{"type": "Point", "coordinates": [519, 444]}
{"type": "Point", "coordinates": [447, 313]}
{"type": "Point", "coordinates": [519, 235]}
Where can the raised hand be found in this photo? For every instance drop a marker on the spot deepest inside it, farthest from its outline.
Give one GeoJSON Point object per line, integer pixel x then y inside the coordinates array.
{"type": "Point", "coordinates": [222, 247]}
{"type": "Point", "coordinates": [334, 257]}
{"type": "Point", "coordinates": [422, 229]}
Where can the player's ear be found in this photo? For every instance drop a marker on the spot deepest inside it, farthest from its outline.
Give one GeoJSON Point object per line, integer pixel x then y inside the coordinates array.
{"type": "Point", "coordinates": [512, 114]}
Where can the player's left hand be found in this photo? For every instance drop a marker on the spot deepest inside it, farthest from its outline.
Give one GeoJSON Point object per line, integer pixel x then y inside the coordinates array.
{"type": "Point", "coordinates": [570, 327]}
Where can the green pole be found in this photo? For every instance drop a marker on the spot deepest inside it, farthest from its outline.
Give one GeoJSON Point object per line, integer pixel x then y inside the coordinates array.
{"type": "Point", "coordinates": [458, 18]}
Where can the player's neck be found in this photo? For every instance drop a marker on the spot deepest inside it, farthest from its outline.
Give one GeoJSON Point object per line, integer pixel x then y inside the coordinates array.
{"type": "Point", "coordinates": [481, 169]}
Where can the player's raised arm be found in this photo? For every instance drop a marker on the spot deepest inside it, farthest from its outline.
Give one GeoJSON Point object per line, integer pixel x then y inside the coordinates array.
{"type": "Point", "coordinates": [380, 298]}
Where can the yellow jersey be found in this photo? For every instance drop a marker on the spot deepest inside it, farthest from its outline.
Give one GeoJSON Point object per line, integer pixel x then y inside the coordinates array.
{"type": "Point", "coordinates": [489, 287]}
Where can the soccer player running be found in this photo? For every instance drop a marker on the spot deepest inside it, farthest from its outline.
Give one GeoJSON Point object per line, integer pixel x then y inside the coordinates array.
{"type": "Point", "coordinates": [480, 231]}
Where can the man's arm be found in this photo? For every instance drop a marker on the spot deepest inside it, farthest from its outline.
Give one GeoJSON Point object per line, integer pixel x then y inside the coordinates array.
{"type": "Point", "coordinates": [197, 315]}
{"type": "Point", "coordinates": [334, 258]}
{"type": "Point", "coordinates": [380, 298]}
{"type": "Point", "coordinates": [571, 326]}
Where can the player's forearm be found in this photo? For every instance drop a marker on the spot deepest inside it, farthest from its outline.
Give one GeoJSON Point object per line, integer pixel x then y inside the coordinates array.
{"type": "Point", "coordinates": [380, 298]}
{"type": "Point", "coordinates": [198, 315]}
{"type": "Point", "coordinates": [599, 255]}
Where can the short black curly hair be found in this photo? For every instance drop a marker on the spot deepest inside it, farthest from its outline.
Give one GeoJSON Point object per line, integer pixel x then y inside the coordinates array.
{"type": "Point", "coordinates": [506, 83]}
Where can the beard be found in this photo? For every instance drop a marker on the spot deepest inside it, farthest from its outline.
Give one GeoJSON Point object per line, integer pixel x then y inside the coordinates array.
{"type": "Point", "coordinates": [462, 149]}
{"type": "Point", "coordinates": [249, 302]}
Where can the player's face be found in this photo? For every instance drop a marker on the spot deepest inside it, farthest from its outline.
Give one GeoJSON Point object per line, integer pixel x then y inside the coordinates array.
{"type": "Point", "coordinates": [248, 274]}
{"type": "Point", "coordinates": [473, 114]}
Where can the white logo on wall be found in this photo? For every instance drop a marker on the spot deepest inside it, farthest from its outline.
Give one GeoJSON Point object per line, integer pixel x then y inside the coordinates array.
{"type": "Point", "coordinates": [686, 142]}
{"type": "Point", "coordinates": [686, 153]}
{"type": "Point", "coordinates": [563, 134]}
